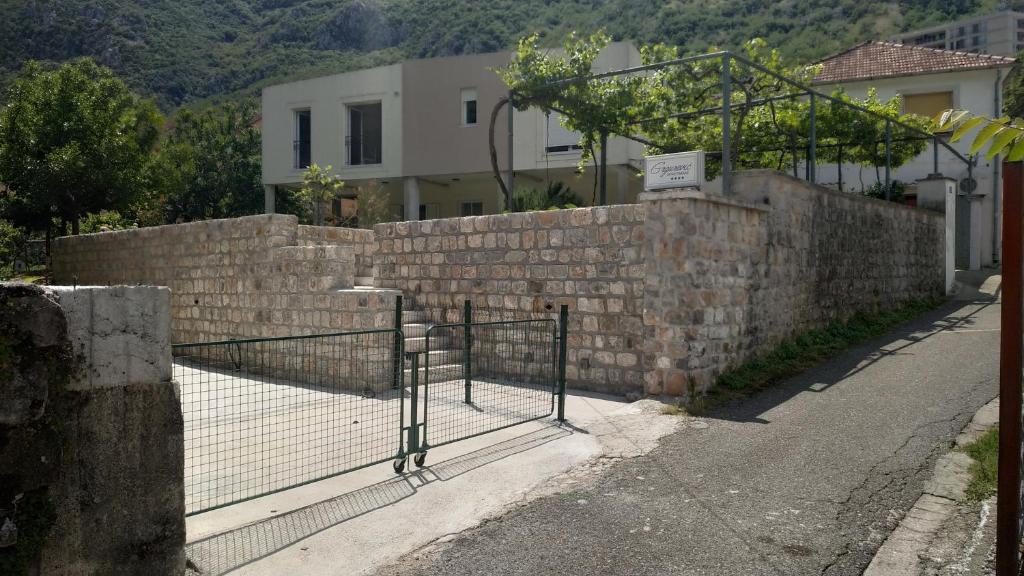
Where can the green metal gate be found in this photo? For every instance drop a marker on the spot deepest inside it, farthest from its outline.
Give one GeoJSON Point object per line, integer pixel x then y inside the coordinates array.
{"type": "Point", "coordinates": [268, 414]}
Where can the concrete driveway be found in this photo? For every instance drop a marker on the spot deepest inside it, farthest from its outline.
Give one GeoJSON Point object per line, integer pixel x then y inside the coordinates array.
{"type": "Point", "coordinates": [354, 523]}
{"type": "Point", "coordinates": [806, 478]}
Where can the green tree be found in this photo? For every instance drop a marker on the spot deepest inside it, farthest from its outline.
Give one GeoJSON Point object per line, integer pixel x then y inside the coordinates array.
{"type": "Point", "coordinates": [372, 205]}
{"type": "Point", "coordinates": [319, 188]}
{"type": "Point", "coordinates": [73, 140]}
{"type": "Point", "coordinates": [675, 107]}
{"type": "Point", "coordinates": [208, 165]}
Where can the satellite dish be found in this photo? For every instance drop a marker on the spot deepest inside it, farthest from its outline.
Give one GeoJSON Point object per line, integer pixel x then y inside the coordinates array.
{"type": "Point", "coordinates": [968, 185]}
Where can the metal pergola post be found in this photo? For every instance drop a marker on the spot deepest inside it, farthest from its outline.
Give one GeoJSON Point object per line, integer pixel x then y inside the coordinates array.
{"type": "Point", "coordinates": [935, 155]}
{"type": "Point", "coordinates": [602, 199]}
{"type": "Point", "coordinates": [726, 125]}
{"type": "Point", "coordinates": [888, 159]}
{"type": "Point", "coordinates": [812, 152]}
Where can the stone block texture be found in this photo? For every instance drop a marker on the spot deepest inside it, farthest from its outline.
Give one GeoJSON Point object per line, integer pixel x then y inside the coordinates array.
{"type": "Point", "coordinates": [256, 276]}
{"type": "Point", "coordinates": [92, 475]}
{"type": "Point", "coordinates": [588, 258]}
{"type": "Point", "coordinates": [663, 295]}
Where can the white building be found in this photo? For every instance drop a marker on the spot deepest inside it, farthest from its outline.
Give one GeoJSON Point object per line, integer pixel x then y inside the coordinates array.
{"type": "Point", "coordinates": [419, 130]}
{"type": "Point", "coordinates": [1001, 34]}
{"type": "Point", "coordinates": [929, 81]}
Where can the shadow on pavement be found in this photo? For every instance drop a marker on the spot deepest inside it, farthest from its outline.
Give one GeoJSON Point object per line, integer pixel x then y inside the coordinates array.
{"type": "Point", "coordinates": [958, 314]}
{"type": "Point", "coordinates": [230, 550]}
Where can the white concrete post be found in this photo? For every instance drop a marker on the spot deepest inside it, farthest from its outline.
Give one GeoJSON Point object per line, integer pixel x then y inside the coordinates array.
{"type": "Point", "coordinates": [412, 198]}
{"type": "Point", "coordinates": [269, 199]}
{"type": "Point", "coordinates": [938, 193]}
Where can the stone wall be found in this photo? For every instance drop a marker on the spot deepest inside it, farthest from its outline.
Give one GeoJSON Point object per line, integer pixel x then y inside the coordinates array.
{"type": "Point", "coordinates": [532, 263]}
{"type": "Point", "coordinates": [256, 276]}
{"type": "Point", "coordinates": [829, 254]}
{"type": "Point", "coordinates": [703, 256]}
{"type": "Point", "coordinates": [663, 295]}
{"type": "Point", "coordinates": [91, 433]}
{"type": "Point", "coordinates": [361, 242]}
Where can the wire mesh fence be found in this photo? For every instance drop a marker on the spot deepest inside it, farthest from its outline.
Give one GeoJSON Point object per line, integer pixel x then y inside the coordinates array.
{"type": "Point", "coordinates": [484, 376]}
{"type": "Point", "coordinates": [264, 415]}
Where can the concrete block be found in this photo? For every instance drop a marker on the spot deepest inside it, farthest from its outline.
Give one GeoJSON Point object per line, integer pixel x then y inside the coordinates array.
{"type": "Point", "coordinates": [121, 333]}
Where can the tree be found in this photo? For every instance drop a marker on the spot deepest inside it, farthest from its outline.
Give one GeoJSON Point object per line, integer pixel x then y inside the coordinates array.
{"type": "Point", "coordinates": [319, 187]}
{"type": "Point", "coordinates": [208, 165]}
{"type": "Point", "coordinates": [372, 205]}
{"type": "Point", "coordinates": [675, 108]}
{"type": "Point", "coordinates": [73, 140]}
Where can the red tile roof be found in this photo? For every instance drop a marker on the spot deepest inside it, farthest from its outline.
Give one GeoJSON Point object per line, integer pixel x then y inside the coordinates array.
{"type": "Point", "coordinates": [875, 59]}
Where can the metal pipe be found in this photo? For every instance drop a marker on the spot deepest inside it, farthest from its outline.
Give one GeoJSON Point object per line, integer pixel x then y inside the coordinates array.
{"type": "Point", "coordinates": [935, 154]}
{"type": "Point", "coordinates": [812, 152]}
{"type": "Point", "coordinates": [467, 361]}
{"type": "Point", "coordinates": [840, 165]}
{"type": "Point", "coordinates": [397, 376]}
{"type": "Point", "coordinates": [563, 344]}
{"type": "Point", "coordinates": [602, 199]}
{"type": "Point", "coordinates": [888, 159]}
{"type": "Point", "coordinates": [726, 125]}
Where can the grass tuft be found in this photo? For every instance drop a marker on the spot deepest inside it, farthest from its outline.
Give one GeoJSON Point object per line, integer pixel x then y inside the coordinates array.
{"type": "Point", "coordinates": [797, 354]}
{"type": "Point", "coordinates": [984, 470]}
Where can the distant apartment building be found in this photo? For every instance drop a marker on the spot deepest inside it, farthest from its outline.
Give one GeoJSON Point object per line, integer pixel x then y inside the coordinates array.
{"type": "Point", "coordinates": [929, 81]}
{"type": "Point", "coordinates": [1001, 34]}
{"type": "Point", "coordinates": [419, 131]}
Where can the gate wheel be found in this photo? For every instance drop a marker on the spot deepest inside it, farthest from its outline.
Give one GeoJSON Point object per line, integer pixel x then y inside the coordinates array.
{"type": "Point", "coordinates": [419, 459]}
{"type": "Point", "coordinates": [399, 465]}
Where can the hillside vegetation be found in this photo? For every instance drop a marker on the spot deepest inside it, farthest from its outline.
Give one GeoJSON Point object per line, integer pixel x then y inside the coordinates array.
{"type": "Point", "coordinates": [182, 51]}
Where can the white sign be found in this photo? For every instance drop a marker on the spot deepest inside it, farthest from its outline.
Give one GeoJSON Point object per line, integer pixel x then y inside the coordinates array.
{"type": "Point", "coordinates": [680, 170]}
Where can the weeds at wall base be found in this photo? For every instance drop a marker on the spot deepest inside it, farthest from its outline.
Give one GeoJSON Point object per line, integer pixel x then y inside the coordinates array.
{"type": "Point", "coordinates": [802, 352]}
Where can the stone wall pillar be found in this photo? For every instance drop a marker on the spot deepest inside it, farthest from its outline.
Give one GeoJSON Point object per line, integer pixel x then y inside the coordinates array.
{"type": "Point", "coordinates": [702, 256]}
{"type": "Point", "coordinates": [91, 433]}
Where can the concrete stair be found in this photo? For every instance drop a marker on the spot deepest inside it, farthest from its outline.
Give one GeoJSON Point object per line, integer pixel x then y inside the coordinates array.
{"type": "Point", "coordinates": [445, 359]}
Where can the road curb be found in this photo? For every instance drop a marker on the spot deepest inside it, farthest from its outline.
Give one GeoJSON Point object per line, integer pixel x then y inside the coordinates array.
{"type": "Point", "coordinates": [902, 552]}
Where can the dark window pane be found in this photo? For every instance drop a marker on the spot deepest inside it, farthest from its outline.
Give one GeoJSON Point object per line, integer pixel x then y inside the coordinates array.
{"type": "Point", "coordinates": [470, 111]}
{"type": "Point", "coordinates": [303, 139]}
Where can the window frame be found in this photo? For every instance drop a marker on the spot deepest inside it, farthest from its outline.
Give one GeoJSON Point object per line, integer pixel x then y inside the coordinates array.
{"type": "Point", "coordinates": [470, 203]}
{"type": "Point", "coordinates": [297, 138]}
{"type": "Point", "coordinates": [467, 95]}
{"type": "Point", "coordinates": [348, 108]}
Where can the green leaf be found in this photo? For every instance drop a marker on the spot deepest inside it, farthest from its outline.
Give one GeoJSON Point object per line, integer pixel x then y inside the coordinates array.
{"type": "Point", "coordinates": [1016, 153]}
{"type": "Point", "coordinates": [1008, 135]}
{"type": "Point", "coordinates": [966, 127]}
{"type": "Point", "coordinates": [984, 136]}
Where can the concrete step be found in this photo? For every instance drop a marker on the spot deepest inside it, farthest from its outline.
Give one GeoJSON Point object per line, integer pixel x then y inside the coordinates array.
{"type": "Point", "coordinates": [449, 356]}
{"type": "Point", "coordinates": [414, 316]}
{"type": "Point", "coordinates": [415, 330]}
{"type": "Point", "coordinates": [440, 373]}
{"type": "Point", "coordinates": [419, 343]}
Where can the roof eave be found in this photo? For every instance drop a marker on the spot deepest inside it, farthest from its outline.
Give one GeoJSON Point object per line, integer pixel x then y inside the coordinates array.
{"type": "Point", "coordinates": [909, 74]}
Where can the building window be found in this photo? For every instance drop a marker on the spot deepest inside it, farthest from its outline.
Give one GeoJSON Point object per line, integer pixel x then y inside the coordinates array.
{"type": "Point", "coordinates": [1020, 23]}
{"type": "Point", "coordinates": [302, 145]}
{"type": "Point", "coordinates": [559, 139]}
{"type": "Point", "coordinates": [958, 44]}
{"type": "Point", "coordinates": [472, 209]}
{"type": "Point", "coordinates": [976, 41]}
{"type": "Point", "coordinates": [468, 98]}
{"type": "Point", "coordinates": [927, 104]}
{"type": "Point", "coordinates": [976, 28]}
{"type": "Point", "coordinates": [363, 134]}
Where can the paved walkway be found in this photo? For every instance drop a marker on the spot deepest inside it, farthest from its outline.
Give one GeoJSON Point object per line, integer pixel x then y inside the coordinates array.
{"type": "Point", "coordinates": [807, 478]}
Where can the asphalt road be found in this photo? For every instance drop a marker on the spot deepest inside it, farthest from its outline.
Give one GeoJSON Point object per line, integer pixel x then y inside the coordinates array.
{"type": "Point", "coordinates": [808, 477]}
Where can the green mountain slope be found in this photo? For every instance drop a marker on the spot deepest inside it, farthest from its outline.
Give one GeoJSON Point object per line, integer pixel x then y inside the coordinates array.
{"type": "Point", "coordinates": [182, 51]}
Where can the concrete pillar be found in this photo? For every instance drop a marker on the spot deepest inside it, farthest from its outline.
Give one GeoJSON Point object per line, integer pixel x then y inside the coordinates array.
{"type": "Point", "coordinates": [269, 198]}
{"type": "Point", "coordinates": [977, 221]}
{"type": "Point", "coordinates": [938, 193]}
{"type": "Point", "coordinates": [412, 198]}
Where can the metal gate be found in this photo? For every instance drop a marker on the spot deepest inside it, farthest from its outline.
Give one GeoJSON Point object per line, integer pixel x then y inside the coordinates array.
{"type": "Point", "coordinates": [268, 414]}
